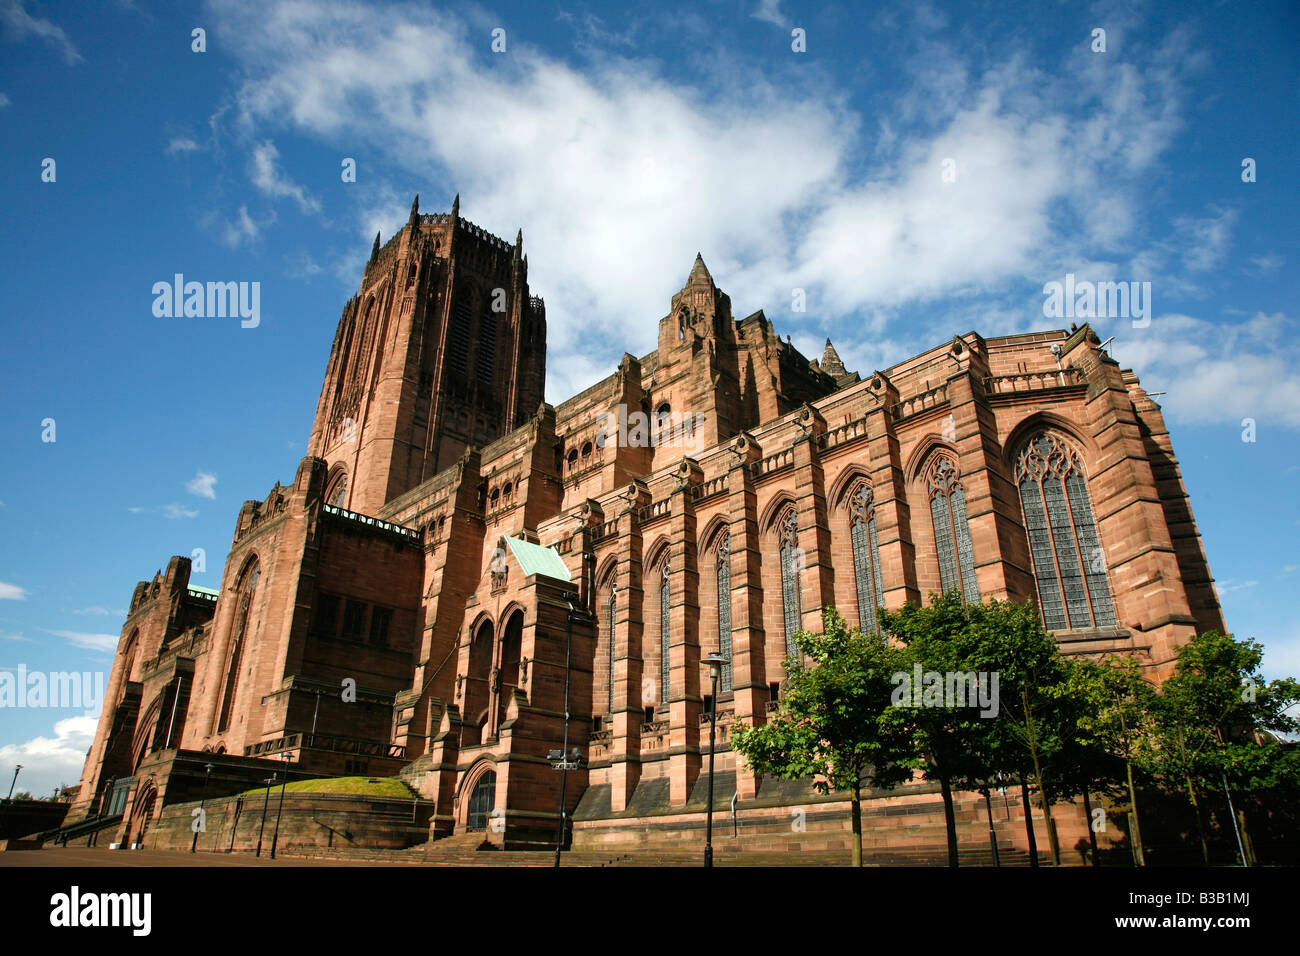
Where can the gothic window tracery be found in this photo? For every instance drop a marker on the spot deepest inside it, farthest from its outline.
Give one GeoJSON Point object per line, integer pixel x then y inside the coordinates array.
{"type": "Point", "coordinates": [792, 562]}
{"type": "Point", "coordinates": [665, 669]}
{"type": "Point", "coordinates": [611, 609]}
{"type": "Point", "coordinates": [247, 588]}
{"type": "Point", "coordinates": [724, 610]}
{"type": "Point", "coordinates": [951, 530]}
{"type": "Point", "coordinates": [866, 556]}
{"type": "Point", "coordinates": [1069, 565]}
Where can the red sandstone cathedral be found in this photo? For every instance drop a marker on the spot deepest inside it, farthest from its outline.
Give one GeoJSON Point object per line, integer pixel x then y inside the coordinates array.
{"type": "Point", "coordinates": [405, 607]}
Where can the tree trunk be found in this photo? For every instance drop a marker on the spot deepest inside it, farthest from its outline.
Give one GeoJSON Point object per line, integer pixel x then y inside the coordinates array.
{"type": "Point", "coordinates": [1200, 827]}
{"type": "Point", "coordinates": [1092, 832]}
{"type": "Point", "coordinates": [857, 824]}
{"type": "Point", "coordinates": [949, 818]}
{"type": "Point", "coordinates": [1029, 822]}
{"type": "Point", "coordinates": [1135, 833]}
{"type": "Point", "coordinates": [1046, 804]}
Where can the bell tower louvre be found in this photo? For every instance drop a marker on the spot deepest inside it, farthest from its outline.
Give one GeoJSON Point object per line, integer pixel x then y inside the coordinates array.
{"type": "Point", "coordinates": [442, 348]}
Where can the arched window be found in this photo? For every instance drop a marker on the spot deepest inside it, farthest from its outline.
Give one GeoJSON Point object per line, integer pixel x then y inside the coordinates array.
{"type": "Point", "coordinates": [458, 337]}
{"type": "Point", "coordinates": [951, 531]}
{"type": "Point", "coordinates": [665, 668]}
{"type": "Point", "coordinates": [866, 556]}
{"type": "Point", "coordinates": [1069, 565]}
{"type": "Point", "coordinates": [663, 425]}
{"type": "Point", "coordinates": [611, 610]}
{"type": "Point", "coordinates": [493, 499]}
{"type": "Point", "coordinates": [724, 610]}
{"type": "Point", "coordinates": [792, 562]}
{"type": "Point", "coordinates": [572, 459]}
{"type": "Point", "coordinates": [243, 611]}
{"type": "Point", "coordinates": [338, 489]}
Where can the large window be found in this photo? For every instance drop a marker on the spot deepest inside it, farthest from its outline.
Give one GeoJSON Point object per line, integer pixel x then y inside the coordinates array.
{"type": "Point", "coordinates": [1069, 565]}
{"type": "Point", "coordinates": [610, 613]}
{"type": "Point", "coordinates": [866, 556]}
{"type": "Point", "coordinates": [792, 562]}
{"type": "Point", "coordinates": [665, 664]}
{"type": "Point", "coordinates": [243, 611]}
{"type": "Point", "coordinates": [951, 531]}
{"type": "Point", "coordinates": [724, 610]}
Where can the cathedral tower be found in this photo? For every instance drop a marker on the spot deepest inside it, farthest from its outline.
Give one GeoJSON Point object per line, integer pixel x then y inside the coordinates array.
{"type": "Point", "coordinates": [441, 349]}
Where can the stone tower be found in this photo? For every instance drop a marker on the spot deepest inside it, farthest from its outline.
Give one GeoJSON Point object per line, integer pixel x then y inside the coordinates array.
{"type": "Point", "coordinates": [442, 348]}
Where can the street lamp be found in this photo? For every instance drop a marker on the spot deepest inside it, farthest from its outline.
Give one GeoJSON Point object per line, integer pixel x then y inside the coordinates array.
{"type": "Point", "coordinates": [275, 837]}
{"type": "Point", "coordinates": [10, 799]}
{"type": "Point", "coordinates": [207, 775]}
{"type": "Point", "coordinates": [715, 662]}
{"type": "Point", "coordinates": [266, 802]}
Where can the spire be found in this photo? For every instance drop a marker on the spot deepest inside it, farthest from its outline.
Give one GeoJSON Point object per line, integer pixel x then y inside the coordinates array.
{"type": "Point", "coordinates": [519, 244]}
{"type": "Point", "coordinates": [831, 363]}
{"type": "Point", "coordinates": [374, 250]}
{"type": "Point", "coordinates": [455, 207]}
{"type": "Point", "coordinates": [699, 272]}
{"type": "Point", "coordinates": [415, 211]}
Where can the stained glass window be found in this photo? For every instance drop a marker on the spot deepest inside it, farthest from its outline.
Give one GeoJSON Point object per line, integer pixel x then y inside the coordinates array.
{"type": "Point", "coordinates": [792, 561]}
{"type": "Point", "coordinates": [1069, 565]}
{"type": "Point", "coordinates": [664, 661]}
{"type": "Point", "coordinates": [866, 557]}
{"type": "Point", "coordinates": [724, 611]}
{"type": "Point", "coordinates": [951, 531]}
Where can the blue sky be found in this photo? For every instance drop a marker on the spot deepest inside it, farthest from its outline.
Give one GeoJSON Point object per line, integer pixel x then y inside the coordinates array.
{"type": "Point", "coordinates": [622, 141]}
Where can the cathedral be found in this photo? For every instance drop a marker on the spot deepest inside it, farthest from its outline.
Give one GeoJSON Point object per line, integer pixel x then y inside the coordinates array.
{"type": "Point", "coordinates": [463, 582]}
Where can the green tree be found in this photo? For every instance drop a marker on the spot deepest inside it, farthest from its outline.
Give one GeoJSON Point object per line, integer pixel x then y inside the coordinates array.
{"type": "Point", "coordinates": [833, 722]}
{"type": "Point", "coordinates": [1116, 699]}
{"type": "Point", "coordinates": [954, 743]}
{"type": "Point", "coordinates": [1210, 713]}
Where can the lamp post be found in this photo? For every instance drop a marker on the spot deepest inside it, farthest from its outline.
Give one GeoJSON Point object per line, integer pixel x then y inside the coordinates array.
{"type": "Point", "coordinates": [10, 799]}
{"type": "Point", "coordinates": [275, 836]}
{"type": "Point", "coordinates": [266, 802]}
{"type": "Point", "coordinates": [207, 774]}
{"type": "Point", "coordinates": [715, 662]}
{"type": "Point", "coordinates": [569, 598]}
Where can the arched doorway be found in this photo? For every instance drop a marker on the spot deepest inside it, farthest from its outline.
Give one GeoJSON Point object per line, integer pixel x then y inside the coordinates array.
{"type": "Point", "coordinates": [482, 801]}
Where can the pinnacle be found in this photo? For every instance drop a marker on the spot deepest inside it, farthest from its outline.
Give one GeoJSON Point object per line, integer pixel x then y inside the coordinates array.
{"type": "Point", "coordinates": [699, 272]}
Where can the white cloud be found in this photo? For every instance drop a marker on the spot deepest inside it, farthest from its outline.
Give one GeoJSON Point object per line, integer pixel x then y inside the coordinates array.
{"type": "Point", "coordinates": [15, 637]}
{"type": "Point", "coordinates": [4, 100]}
{"type": "Point", "coordinates": [12, 592]}
{"type": "Point", "coordinates": [173, 511]}
{"type": "Point", "coordinates": [619, 174]}
{"type": "Point", "coordinates": [19, 24]}
{"type": "Point", "coordinates": [50, 762]}
{"type": "Point", "coordinates": [769, 11]}
{"type": "Point", "coordinates": [181, 144]}
{"type": "Point", "coordinates": [203, 484]}
{"type": "Point", "coordinates": [100, 610]}
{"type": "Point", "coordinates": [1217, 372]}
{"type": "Point", "coordinates": [266, 175]}
{"type": "Point", "coordinates": [241, 229]}
{"type": "Point", "coordinates": [90, 642]}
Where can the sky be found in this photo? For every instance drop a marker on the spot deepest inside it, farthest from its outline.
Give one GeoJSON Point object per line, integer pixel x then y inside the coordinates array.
{"type": "Point", "coordinates": [916, 170]}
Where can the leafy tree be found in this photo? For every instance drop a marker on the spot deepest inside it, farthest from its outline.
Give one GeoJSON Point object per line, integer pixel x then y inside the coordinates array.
{"type": "Point", "coordinates": [1209, 714]}
{"type": "Point", "coordinates": [956, 745]}
{"type": "Point", "coordinates": [1115, 699]}
{"type": "Point", "coordinates": [833, 722]}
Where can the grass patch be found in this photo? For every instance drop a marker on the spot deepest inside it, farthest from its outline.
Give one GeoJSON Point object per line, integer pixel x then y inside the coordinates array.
{"type": "Point", "coordinates": [359, 786]}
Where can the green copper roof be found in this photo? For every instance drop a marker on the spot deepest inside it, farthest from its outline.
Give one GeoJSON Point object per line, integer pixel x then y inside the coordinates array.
{"type": "Point", "coordinates": [213, 592]}
{"type": "Point", "coordinates": [534, 559]}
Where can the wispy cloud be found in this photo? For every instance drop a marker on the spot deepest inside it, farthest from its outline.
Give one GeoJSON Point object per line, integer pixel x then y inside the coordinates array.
{"type": "Point", "coordinates": [203, 485]}
{"type": "Point", "coordinates": [19, 24]}
{"type": "Point", "coordinates": [265, 172]}
{"type": "Point", "coordinates": [178, 511]}
{"type": "Point", "coordinates": [99, 610]}
{"type": "Point", "coordinates": [90, 642]}
{"type": "Point", "coordinates": [12, 592]}
{"type": "Point", "coordinates": [181, 144]}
